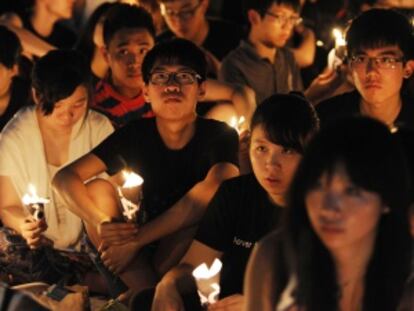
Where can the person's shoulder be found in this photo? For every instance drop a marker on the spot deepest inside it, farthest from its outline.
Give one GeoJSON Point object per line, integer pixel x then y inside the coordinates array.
{"type": "Point", "coordinates": [345, 100]}
{"type": "Point", "coordinates": [237, 54]}
{"type": "Point", "coordinates": [214, 128]}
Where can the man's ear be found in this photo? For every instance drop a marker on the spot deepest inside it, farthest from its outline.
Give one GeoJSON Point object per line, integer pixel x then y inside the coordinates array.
{"type": "Point", "coordinates": [35, 97]}
{"type": "Point", "coordinates": [253, 17]}
{"type": "Point", "coordinates": [408, 69]}
{"type": "Point", "coordinates": [105, 53]}
{"type": "Point", "coordinates": [145, 93]}
{"type": "Point", "coordinates": [202, 90]}
{"type": "Point", "coordinates": [204, 5]}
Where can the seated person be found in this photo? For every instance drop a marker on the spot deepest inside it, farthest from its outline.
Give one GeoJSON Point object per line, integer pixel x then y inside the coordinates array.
{"type": "Point", "coordinates": [128, 35]}
{"type": "Point", "coordinates": [245, 208]}
{"type": "Point", "coordinates": [262, 61]}
{"type": "Point", "coordinates": [182, 158]}
{"type": "Point", "coordinates": [38, 27]}
{"type": "Point", "coordinates": [34, 145]}
{"type": "Point", "coordinates": [346, 243]}
{"type": "Point", "coordinates": [380, 57]}
{"type": "Point", "coordinates": [187, 19]}
{"type": "Point", "coordinates": [14, 91]}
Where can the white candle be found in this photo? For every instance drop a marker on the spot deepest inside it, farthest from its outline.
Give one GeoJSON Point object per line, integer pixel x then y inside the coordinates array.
{"type": "Point", "coordinates": [207, 280]}
{"type": "Point", "coordinates": [35, 203]}
{"type": "Point", "coordinates": [131, 191]}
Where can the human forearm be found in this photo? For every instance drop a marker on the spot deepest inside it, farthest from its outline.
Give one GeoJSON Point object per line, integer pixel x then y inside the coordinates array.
{"type": "Point", "coordinates": [244, 101]}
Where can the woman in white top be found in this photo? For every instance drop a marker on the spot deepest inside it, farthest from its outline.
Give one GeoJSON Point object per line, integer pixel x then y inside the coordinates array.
{"type": "Point", "coordinates": [41, 139]}
{"type": "Point", "coordinates": [346, 244]}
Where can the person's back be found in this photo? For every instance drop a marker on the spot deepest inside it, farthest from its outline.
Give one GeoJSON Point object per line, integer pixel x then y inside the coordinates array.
{"type": "Point", "coordinates": [14, 90]}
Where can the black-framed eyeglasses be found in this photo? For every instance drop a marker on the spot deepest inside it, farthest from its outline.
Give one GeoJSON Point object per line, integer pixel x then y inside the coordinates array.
{"type": "Point", "coordinates": [358, 62]}
{"type": "Point", "coordinates": [283, 19]}
{"type": "Point", "coordinates": [183, 14]}
{"type": "Point", "coordinates": [180, 77]}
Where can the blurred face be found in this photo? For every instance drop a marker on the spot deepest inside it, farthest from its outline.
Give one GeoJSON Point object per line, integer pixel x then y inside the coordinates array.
{"type": "Point", "coordinates": [69, 110]}
{"type": "Point", "coordinates": [378, 74]}
{"type": "Point", "coordinates": [6, 77]}
{"type": "Point", "coordinates": [173, 92]}
{"type": "Point", "coordinates": [276, 26]}
{"type": "Point", "coordinates": [124, 55]}
{"type": "Point", "coordinates": [273, 165]}
{"type": "Point", "coordinates": [184, 17]}
{"type": "Point", "coordinates": [343, 215]}
{"type": "Point", "coordinates": [60, 8]}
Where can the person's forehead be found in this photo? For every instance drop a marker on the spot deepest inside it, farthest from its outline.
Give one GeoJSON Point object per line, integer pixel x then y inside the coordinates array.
{"type": "Point", "coordinates": [282, 9]}
{"type": "Point", "coordinates": [127, 36]}
{"type": "Point", "coordinates": [177, 5]}
{"type": "Point", "coordinates": [385, 50]}
{"type": "Point", "coordinates": [162, 66]}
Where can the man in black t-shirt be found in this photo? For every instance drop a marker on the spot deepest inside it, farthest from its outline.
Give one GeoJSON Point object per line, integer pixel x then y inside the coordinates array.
{"type": "Point", "coordinates": [380, 53]}
{"type": "Point", "coordinates": [182, 158]}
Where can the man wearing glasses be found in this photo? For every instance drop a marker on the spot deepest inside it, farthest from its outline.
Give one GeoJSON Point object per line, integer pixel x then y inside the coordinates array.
{"type": "Point", "coordinates": [380, 57]}
{"type": "Point", "coordinates": [262, 62]}
{"type": "Point", "coordinates": [187, 19]}
{"type": "Point", "coordinates": [181, 157]}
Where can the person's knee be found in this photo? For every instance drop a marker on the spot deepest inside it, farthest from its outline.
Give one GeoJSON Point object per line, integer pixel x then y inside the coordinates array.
{"type": "Point", "coordinates": [104, 195]}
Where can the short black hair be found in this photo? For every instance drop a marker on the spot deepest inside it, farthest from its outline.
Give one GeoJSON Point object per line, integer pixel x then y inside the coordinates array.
{"type": "Point", "coordinates": [378, 28]}
{"type": "Point", "coordinates": [289, 120]}
{"type": "Point", "coordinates": [56, 75]}
{"type": "Point", "coordinates": [261, 6]}
{"type": "Point", "coordinates": [175, 52]}
{"type": "Point", "coordinates": [11, 48]}
{"type": "Point", "coordinates": [374, 161]}
{"type": "Point", "coordinates": [126, 16]}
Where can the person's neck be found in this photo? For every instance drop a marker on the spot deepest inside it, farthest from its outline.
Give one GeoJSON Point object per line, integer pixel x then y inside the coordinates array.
{"type": "Point", "coordinates": [4, 102]}
{"type": "Point", "coordinates": [99, 66]}
{"type": "Point", "coordinates": [48, 130]}
{"type": "Point", "coordinates": [43, 21]}
{"type": "Point", "coordinates": [386, 111]}
{"type": "Point", "coordinates": [262, 50]}
{"type": "Point", "coordinates": [176, 134]}
{"type": "Point", "coordinates": [277, 199]}
{"type": "Point", "coordinates": [125, 91]}
{"type": "Point", "coordinates": [201, 35]}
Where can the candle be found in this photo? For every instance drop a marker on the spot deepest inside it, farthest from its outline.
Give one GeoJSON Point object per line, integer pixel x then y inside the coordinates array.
{"type": "Point", "coordinates": [207, 281]}
{"type": "Point", "coordinates": [236, 123]}
{"type": "Point", "coordinates": [337, 54]}
{"type": "Point", "coordinates": [34, 203]}
{"type": "Point", "coordinates": [131, 195]}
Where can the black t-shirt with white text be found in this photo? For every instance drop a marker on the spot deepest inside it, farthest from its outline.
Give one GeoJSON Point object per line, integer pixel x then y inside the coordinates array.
{"type": "Point", "coordinates": [238, 216]}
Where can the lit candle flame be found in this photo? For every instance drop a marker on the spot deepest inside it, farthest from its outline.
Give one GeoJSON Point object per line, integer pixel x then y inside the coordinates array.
{"type": "Point", "coordinates": [34, 203]}
{"type": "Point", "coordinates": [339, 37]}
{"type": "Point", "coordinates": [132, 180]}
{"type": "Point", "coordinates": [130, 209]}
{"type": "Point", "coordinates": [207, 280]}
{"type": "Point", "coordinates": [32, 197]}
{"type": "Point", "coordinates": [237, 122]}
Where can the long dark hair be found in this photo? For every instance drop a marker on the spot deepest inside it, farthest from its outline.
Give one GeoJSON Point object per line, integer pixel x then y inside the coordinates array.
{"type": "Point", "coordinates": [374, 161]}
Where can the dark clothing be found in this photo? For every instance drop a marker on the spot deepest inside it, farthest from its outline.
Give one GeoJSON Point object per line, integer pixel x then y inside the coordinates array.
{"type": "Point", "coordinates": [222, 37]}
{"type": "Point", "coordinates": [61, 36]}
{"type": "Point", "coordinates": [348, 105]}
{"type": "Point", "coordinates": [19, 97]}
{"type": "Point", "coordinates": [238, 216]}
{"type": "Point", "coordinates": [244, 66]}
{"type": "Point", "coordinates": [168, 174]}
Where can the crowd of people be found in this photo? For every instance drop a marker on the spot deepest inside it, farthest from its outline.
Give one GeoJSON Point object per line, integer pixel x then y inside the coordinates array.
{"type": "Point", "coordinates": [265, 144]}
